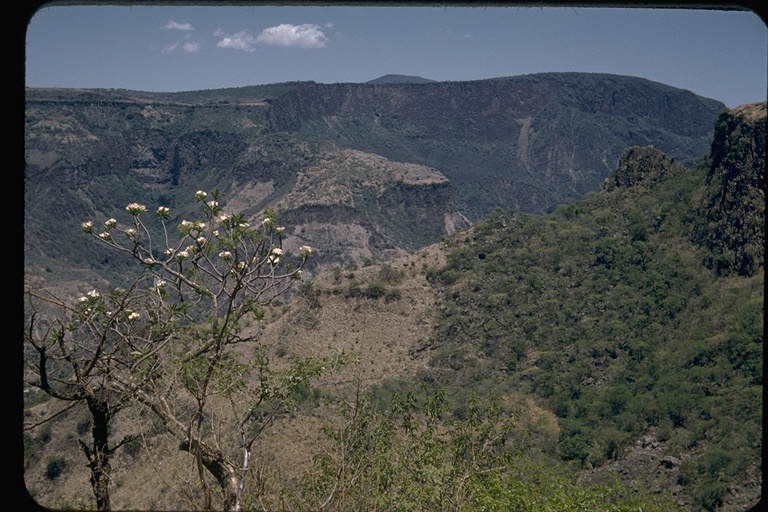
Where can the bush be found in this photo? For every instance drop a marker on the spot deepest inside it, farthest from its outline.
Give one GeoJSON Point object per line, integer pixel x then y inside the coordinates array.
{"type": "Point", "coordinates": [390, 275]}
{"type": "Point", "coordinates": [392, 295]}
{"type": "Point", "coordinates": [375, 291]}
{"type": "Point", "coordinates": [55, 467]}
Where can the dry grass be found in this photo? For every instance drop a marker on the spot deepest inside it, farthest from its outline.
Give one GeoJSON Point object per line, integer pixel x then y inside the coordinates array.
{"type": "Point", "coordinates": [382, 336]}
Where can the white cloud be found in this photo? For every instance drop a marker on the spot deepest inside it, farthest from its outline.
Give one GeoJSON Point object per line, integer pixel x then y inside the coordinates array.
{"type": "Point", "coordinates": [238, 41]}
{"type": "Point", "coordinates": [178, 26]}
{"type": "Point", "coordinates": [169, 47]}
{"type": "Point", "coordinates": [191, 47]}
{"type": "Point", "coordinates": [305, 36]}
{"type": "Point", "coordinates": [300, 36]}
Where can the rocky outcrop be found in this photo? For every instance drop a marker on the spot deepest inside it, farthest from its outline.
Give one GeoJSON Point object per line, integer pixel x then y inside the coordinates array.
{"type": "Point", "coordinates": [642, 166]}
{"type": "Point", "coordinates": [733, 212]}
{"type": "Point", "coordinates": [369, 215]}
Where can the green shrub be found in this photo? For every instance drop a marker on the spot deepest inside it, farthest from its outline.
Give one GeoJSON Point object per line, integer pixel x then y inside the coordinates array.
{"type": "Point", "coordinates": [390, 275]}
{"type": "Point", "coordinates": [84, 426]}
{"type": "Point", "coordinates": [55, 467]}
{"type": "Point", "coordinates": [392, 294]}
{"type": "Point", "coordinates": [375, 291]}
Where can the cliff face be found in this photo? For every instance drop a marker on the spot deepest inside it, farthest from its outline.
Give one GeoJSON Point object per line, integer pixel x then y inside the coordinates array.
{"type": "Point", "coordinates": [526, 142]}
{"type": "Point", "coordinates": [733, 210]}
{"type": "Point", "coordinates": [365, 207]}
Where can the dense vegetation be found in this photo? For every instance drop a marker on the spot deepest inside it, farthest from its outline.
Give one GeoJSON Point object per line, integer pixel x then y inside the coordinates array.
{"type": "Point", "coordinates": [735, 206]}
{"type": "Point", "coordinates": [416, 456]}
{"type": "Point", "coordinates": [606, 310]}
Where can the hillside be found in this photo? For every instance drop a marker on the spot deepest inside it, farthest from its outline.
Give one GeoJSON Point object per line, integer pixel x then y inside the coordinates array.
{"type": "Point", "coordinates": [633, 340]}
{"type": "Point", "coordinates": [607, 312]}
{"type": "Point", "coordinates": [622, 339]}
{"type": "Point", "coordinates": [399, 164]}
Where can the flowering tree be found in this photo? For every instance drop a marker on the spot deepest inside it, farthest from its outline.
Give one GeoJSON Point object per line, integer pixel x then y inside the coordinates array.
{"type": "Point", "coordinates": [74, 354]}
{"type": "Point", "coordinates": [199, 290]}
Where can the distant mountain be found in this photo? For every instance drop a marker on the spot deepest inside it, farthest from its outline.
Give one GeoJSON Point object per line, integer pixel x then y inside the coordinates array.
{"type": "Point", "coordinates": [528, 142]}
{"type": "Point", "coordinates": [400, 79]}
{"type": "Point", "coordinates": [363, 172]}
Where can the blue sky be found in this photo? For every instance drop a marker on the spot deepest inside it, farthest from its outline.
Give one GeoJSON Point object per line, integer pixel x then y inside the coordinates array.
{"type": "Point", "coordinates": [716, 54]}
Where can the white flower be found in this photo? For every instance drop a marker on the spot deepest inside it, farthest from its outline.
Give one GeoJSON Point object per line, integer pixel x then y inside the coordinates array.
{"type": "Point", "coordinates": [182, 255]}
{"type": "Point", "coordinates": [267, 222]}
{"type": "Point", "coordinates": [305, 251]}
{"type": "Point", "coordinates": [163, 211]}
{"type": "Point", "coordinates": [199, 225]}
{"type": "Point", "coordinates": [212, 204]}
{"type": "Point", "coordinates": [93, 294]}
{"type": "Point", "coordinates": [280, 230]}
{"type": "Point", "coordinates": [200, 240]}
{"type": "Point", "coordinates": [223, 218]}
{"type": "Point", "coordinates": [105, 235]}
{"type": "Point", "coordinates": [110, 223]}
{"type": "Point", "coordinates": [240, 265]}
{"type": "Point", "coordinates": [159, 284]}
{"type": "Point", "coordinates": [225, 255]}
{"type": "Point", "coordinates": [243, 225]}
{"type": "Point", "coordinates": [274, 256]}
{"type": "Point", "coordinates": [216, 233]}
{"type": "Point", "coordinates": [87, 226]}
{"type": "Point", "coordinates": [130, 232]}
{"type": "Point", "coordinates": [185, 224]}
{"type": "Point", "coordinates": [200, 195]}
{"type": "Point", "coordinates": [169, 251]}
{"type": "Point", "coordinates": [133, 316]}
{"type": "Point", "coordinates": [135, 208]}
{"type": "Point", "coordinates": [149, 261]}
{"type": "Point", "coordinates": [83, 299]}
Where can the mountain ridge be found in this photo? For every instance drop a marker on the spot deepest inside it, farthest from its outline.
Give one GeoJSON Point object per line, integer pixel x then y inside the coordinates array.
{"type": "Point", "coordinates": [394, 78]}
{"type": "Point", "coordinates": [526, 143]}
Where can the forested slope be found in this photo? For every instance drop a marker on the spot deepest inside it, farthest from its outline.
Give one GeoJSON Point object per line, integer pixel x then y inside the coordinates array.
{"type": "Point", "coordinates": [635, 313]}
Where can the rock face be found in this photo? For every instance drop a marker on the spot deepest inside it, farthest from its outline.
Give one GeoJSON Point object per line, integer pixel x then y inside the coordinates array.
{"type": "Point", "coordinates": [368, 208]}
{"type": "Point", "coordinates": [734, 209]}
{"type": "Point", "coordinates": [642, 166]}
{"type": "Point", "coordinates": [525, 142]}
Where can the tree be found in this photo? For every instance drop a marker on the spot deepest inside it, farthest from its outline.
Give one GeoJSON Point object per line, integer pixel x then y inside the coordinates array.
{"type": "Point", "coordinates": [72, 360]}
{"type": "Point", "coordinates": [172, 342]}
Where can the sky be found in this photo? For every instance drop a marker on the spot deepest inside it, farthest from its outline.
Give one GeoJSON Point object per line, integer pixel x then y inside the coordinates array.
{"type": "Point", "coordinates": [716, 54]}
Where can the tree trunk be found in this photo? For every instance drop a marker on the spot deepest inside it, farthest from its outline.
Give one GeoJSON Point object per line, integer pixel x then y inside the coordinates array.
{"type": "Point", "coordinates": [98, 454]}
{"type": "Point", "coordinates": [224, 471]}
